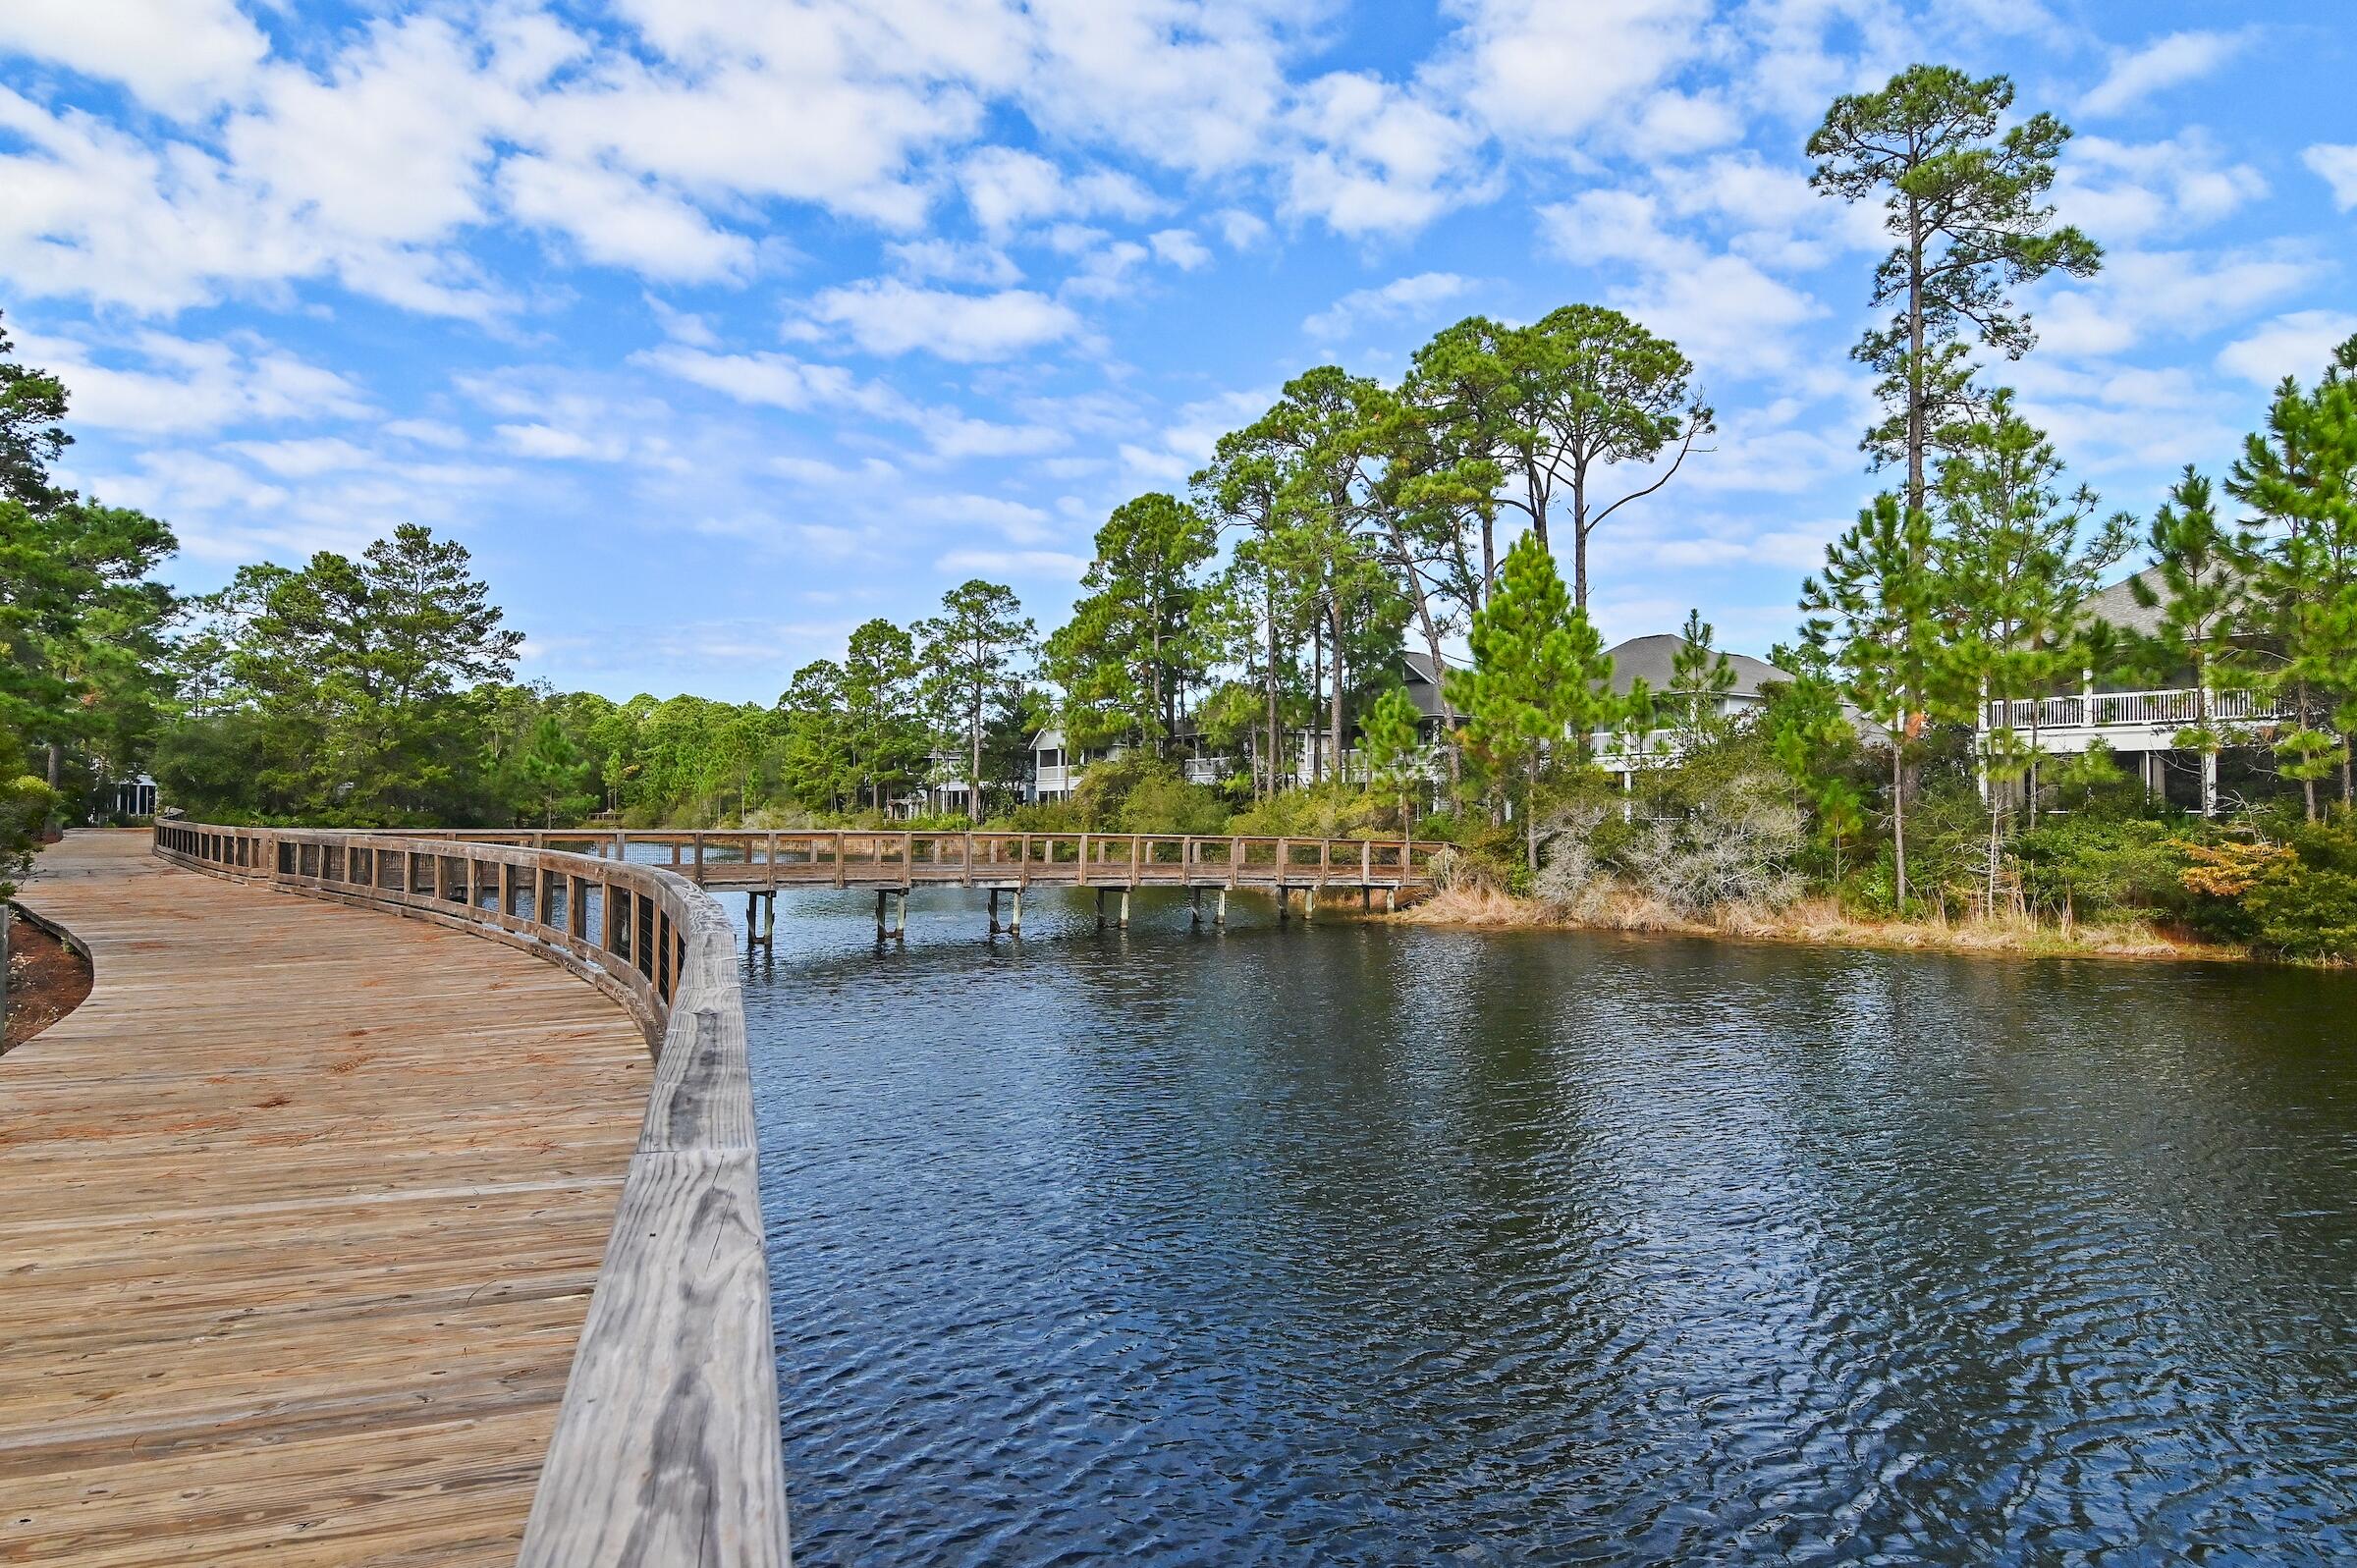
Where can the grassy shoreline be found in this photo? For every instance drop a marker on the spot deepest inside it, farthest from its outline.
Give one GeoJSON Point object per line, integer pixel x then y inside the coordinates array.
{"type": "Point", "coordinates": [1819, 922]}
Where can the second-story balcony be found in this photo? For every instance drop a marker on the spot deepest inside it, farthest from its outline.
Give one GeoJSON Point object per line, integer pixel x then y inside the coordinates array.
{"type": "Point", "coordinates": [2131, 720]}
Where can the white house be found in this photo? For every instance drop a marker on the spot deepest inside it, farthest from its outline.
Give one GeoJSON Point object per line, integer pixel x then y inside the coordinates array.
{"type": "Point", "coordinates": [2141, 725]}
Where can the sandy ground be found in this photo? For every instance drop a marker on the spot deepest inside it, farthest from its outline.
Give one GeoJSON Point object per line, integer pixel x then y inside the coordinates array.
{"type": "Point", "coordinates": [46, 980]}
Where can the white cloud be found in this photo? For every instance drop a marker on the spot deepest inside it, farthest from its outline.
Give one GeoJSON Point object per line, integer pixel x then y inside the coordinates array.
{"type": "Point", "coordinates": [1725, 312]}
{"type": "Point", "coordinates": [306, 456]}
{"type": "Point", "coordinates": [954, 262]}
{"type": "Point", "coordinates": [1179, 247]}
{"type": "Point", "coordinates": [2300, 345]}
{"type": "Point", "coordinates": [819, 473]}
{"type": "Point", "coordinates": [1541, 70]}
{"type": "Point", "coordinates": [886, 316]}
{"type": "Point", "coordinates": [2120, 191]}
{"type": "Point", "coordinates": [179, 56]}
{"type": "Point", "coordinates": [953, 434]}
{"type": "Point", "coordinates": [2179, 58]}
{"type": "Point", "coordinates": [182, 384]}
{"type": "Point", "coordinates": [425, 432]}
{"type": "Point", "coordinates": [2336, 165]}
{"type": "Point", "coordinates": [623, 221]}
{"type": "Point", "coordinates": [1013, 563]}
{"type": "Point", "coordinates": [1007, 187]}
{"type": "Point", "coordinates": [1402, 297]}
{"type": "Point", "coordinates": [1375, 159]}
{"type": "Point", "coordinates": [775, 379]}
{"type": "Point", "coordinates": [2142, 293]}
{"type": "Point", "coordinates": [1240, 229]}
{"type": "Point", "coordinates": [546, 441]}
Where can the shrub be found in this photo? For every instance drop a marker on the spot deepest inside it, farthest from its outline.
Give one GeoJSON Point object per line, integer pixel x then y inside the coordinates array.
{"type": "Point", "coordinates": [1737, 846]}
{"type": "Point", "coordinates": [2305, 911]}
{"type": "Point", "coordinates": [2095, 866]}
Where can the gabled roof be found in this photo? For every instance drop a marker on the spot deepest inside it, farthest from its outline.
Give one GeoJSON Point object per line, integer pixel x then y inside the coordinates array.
{"type": "Point", "coordinates": [2116, 605]}
{"type": "Point", "coordinates": [1422, 686]}
{"type": "Point", "coordinates": [1653, 657]}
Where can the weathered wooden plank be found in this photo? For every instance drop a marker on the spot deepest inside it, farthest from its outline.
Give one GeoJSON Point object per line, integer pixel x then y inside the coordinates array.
{"type": "Point", "coordinates": [305, 1210]}
{"type": "Point", "coordinates": [666, 1447]}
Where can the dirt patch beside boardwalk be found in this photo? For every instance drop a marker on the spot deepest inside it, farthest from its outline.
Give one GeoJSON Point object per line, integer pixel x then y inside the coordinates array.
{"type": "Point", "coordinates": [46, 980]}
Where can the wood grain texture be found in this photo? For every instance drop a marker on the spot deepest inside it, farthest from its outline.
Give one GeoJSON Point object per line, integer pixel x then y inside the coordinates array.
{"type": "Point", "coordinates": [305, 1207]}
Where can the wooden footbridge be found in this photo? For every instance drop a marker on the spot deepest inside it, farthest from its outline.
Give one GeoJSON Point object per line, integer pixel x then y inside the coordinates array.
{"type": "Point", "coordinates": [760, 862]}
{"type": "Point", "coordinates": [332, 1239]}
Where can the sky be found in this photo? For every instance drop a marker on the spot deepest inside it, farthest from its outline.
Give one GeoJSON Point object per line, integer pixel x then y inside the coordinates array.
{"type": "Point", "coordinates": [716, 327]}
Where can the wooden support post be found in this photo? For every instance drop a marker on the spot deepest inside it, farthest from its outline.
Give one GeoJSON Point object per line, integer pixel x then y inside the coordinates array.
{"type": "Point", "coordinates": [1195, 909]}
{"type": "Point", "coordinates": [699, 858]}
{"type": "Point", "coordinates": [1124, 909]}
{"type": "Point", "coordinates": [1219, 910]}
{"type": "Point", "coordinates": [1283, 910]}
{"type": "Point", "coordinates": [1016, 927]}
{"type": "Point", "coordinates": [1100, 909]}
{"type": "Point", "coordinates": [753, 930]}
{"type": "Point", "coordinates": [900, 929]}
{"type": "Point", "coordinates": [1366, 900]}
{"type": "Point", "coordinates": [1309, 903]}
{"type": "Point", "coordinates": [1391, 901]}
{"type": "Point", "coordinates": [994, 912]}
{"type": "Point", "coordinates": [881, 931]}
{"type": "Point", "coordinates": [769, 921]}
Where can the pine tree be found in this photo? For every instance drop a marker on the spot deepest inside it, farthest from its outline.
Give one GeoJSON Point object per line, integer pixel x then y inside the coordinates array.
{"type": "Point", "coordinates": [2297, 477]}
{"type": "Point", "coordinates": [2202, 599]}
{"type": "Point", "coordinates": [1700, 678]}
{"type": "Point", "coordinates": [1539, 684]}
{"type": "Point", "coordinates": [973, 650]}
{"type": "Point", "coordinates": [1871, 618]}
{"type": "Point", "coordinates": [2016, 560]}
{"type": "Point", "coordinates": [1391, 739]}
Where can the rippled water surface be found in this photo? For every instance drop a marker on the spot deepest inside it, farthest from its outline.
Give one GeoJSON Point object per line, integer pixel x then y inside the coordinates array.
{"type": "Point", "coordinates": [1373, 1246]}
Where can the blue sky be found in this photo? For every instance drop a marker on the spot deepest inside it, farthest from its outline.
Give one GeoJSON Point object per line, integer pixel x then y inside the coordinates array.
{"type": "Point", "coordinates": [714, 327]}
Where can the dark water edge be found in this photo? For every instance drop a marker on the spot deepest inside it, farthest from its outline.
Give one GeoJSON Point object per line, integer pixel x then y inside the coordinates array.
{"type": "Point", "coordinates": [1379, 1245]}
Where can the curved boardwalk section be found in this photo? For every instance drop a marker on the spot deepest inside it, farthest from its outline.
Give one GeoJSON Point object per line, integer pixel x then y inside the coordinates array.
{"type": "Point", "coordinates": [299, 1217]}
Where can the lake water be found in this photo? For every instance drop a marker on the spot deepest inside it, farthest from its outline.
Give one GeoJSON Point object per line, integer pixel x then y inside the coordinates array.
{"type": "Point", "coordinates": [1356, 1245]}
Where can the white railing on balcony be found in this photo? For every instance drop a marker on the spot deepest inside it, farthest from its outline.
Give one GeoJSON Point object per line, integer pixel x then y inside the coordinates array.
{"type": "Point", "coordinates": [2173, 708]}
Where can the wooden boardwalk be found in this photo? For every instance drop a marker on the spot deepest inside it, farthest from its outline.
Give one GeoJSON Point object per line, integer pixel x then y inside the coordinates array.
{"type": "Point", "coordinates": [300, 1214]}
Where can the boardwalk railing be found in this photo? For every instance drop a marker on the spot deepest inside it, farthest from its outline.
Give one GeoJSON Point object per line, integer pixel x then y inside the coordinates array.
{"type": "Point", "coordinates": [875, 858]}
{"type": "Point", "coordinates": [665, 1449]}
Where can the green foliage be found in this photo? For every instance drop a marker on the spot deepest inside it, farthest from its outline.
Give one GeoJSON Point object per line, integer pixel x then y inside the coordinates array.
{"type": "Point", "coordinates": [26, 802]}
{"type": "Point", "coordinates": [1538, 683]}
{"type": "Point", "coordinates": [1965, 207]}
{"type": "Point", "coordinates": [1872, 617]}
{"type": "Point", "coordinates": [972, 653]}
{"type": "Point", "coordinates": [2305, 911]}
{"type": "Point", "coordinates": [1390, 741]}
{"type": "Point", "coordinates": [1134, 641]}
{"type": "Point", "coordinates": [1700, 678]}
{"type": "Point", "coordinates": [2095, 865]}
{"type": "Point", "coordinates": [1140, 793]}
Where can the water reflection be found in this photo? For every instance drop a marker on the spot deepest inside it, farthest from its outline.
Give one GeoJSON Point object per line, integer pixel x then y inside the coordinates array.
{"type": "Point", "coordinates": [1350, 1245]}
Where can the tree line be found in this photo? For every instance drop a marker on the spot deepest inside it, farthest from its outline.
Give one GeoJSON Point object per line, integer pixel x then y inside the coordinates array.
{"type": "Point", "coordinates": [1261, 616]}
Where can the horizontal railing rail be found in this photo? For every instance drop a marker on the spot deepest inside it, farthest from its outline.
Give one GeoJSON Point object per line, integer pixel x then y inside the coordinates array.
{"type": "Point", "coordinates": [2176, 707]}
{"type": "Point", "coordinates": [866, 858]}
{"type": "Point", "coordinates": [666, 1449]}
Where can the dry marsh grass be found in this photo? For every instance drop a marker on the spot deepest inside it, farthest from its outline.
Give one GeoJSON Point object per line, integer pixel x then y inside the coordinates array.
{"type": "Point", "coordinates": [1811, 920]}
